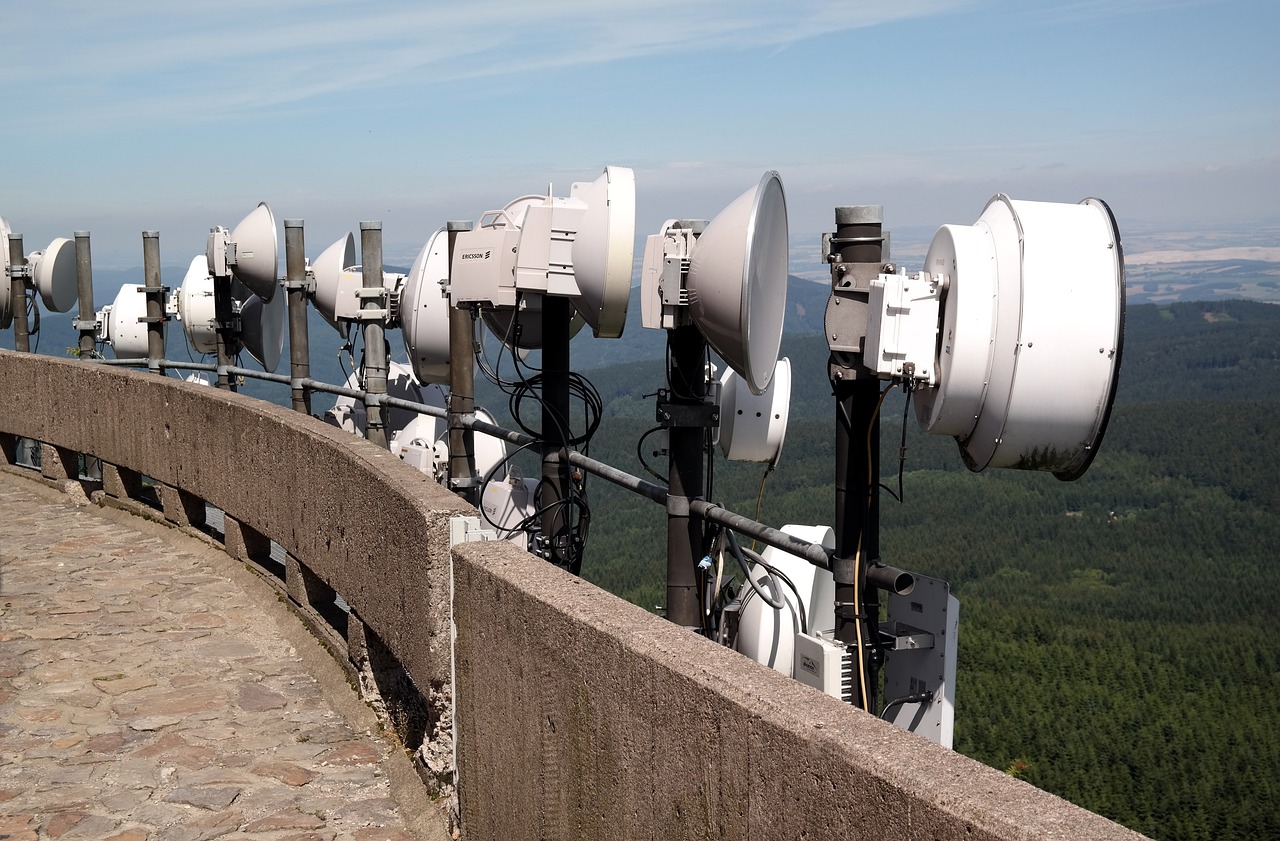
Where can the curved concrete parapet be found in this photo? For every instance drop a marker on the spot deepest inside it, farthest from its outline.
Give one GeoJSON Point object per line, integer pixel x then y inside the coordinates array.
{"type": "Point", "coordinates": [578, 715]}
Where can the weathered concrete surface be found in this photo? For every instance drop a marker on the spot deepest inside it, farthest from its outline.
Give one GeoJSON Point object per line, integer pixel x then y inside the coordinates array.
{"type": "Point", "coordinates": [582, 716]}
{"type": "Point", "coordinates": [144, 695]}
{"type": "Point", "coordinates": [373, 528]}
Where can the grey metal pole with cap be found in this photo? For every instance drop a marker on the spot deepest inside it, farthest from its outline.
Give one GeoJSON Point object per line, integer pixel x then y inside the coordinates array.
{"type": "Point", "coordinates": [462, 402]}
{"type": "Point", "coordinates": [295, 282]}
{"type": "Point", "coordinates": [18, 294]}
{"type": "Point", "coordinates": [154, 292]}
{"type": "Point", "coordinates": [376, 365]}
{"type": "Point", "coordinates": [87, 322]}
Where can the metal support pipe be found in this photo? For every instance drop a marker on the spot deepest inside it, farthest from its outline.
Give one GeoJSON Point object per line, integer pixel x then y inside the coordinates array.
{"type": "Point", "coordinates": [462, 401]}
{"type": "Point", "coordinates": [227, 340]}
{"type": "Point", "coordinates": [555, 492]}
{"type": "Point", "coordinates": [154, 292]}
{"type": "Point", "coordinates": [18, 294]}
{"type": "Point", "coordinates": [685, 476]}
{"type": "Point", "coordinates": [858, 244]}
{"type": "Point", "coordinates": [84, 288]}
{"type": "Point", "coordinates": [295, 276]}
{"type": "Point", "coordinates": [376, 365]}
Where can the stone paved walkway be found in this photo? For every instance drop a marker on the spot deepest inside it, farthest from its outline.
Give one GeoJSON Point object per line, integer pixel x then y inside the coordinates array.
{"type": "Point", "coordinates": [145, 697]}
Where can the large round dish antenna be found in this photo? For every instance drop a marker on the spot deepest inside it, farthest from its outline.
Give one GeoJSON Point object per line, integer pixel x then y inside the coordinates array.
{"type": "Point", "coordinates": [196, 307]}
{"type": "Point", "coordinates": [54, 271]}
{"type": "Point", "coordinates": [737, 281]}
{"type": "Point", "coordinates": [249, 253]}
{"type": "Point", "coordinates": [1031, 336]}
{"type": "Point", "coordinates": [123, 324]}
{"type": "Point", "coordinates": [753, 427]}
{"type": "Point", "coordinates": [334, 278]}
{"type": "Point", "coordinates": [262, 329]}
{"type": "Point", "coordinates": [424, 311]}
{"type": "Point", "coordinates": [6, 312]}
{"type": "Point", "coordinates": [604, 248]}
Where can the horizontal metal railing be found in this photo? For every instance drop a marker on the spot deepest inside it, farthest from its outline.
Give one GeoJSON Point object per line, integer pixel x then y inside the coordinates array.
{"type": "Point", "coordinates": [812, 552]}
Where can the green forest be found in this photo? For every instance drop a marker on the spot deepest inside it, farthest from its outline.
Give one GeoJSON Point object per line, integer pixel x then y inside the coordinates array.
{"type": "Point", "coordinates": [1118, 634]}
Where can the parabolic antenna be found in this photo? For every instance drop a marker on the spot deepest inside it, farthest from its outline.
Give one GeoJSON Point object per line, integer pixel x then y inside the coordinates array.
{"type": "Point", "coordinates": [604, 248]}
{"type": "Point", "coordinates": [333, 279]}
{"type": "Point", "coordinates": [6, 313]}
{"type": "Point", "coordinates": [1031, 335]}
{"type": "Point", "coordinates": [754, 426]}
{"type": "Point", "coordinates": [262, 329]}
{"type": "Point", "coordinates": [196, 307]}
{"type": "Point", "coordinates": [54, 273]}
{"type": "Point", "coordinates": [737, 281]}
{"type": "Point", "coordinates": [424, 312]}
{"type": "Point", "coordinates": [122, 323]}
{"type": "Point", "coordinates": [249, 253]}
{"type": "Point", "coordinates": [767, 635]}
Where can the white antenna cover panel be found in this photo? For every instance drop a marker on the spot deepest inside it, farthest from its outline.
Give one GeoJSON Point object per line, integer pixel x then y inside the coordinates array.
{"type": "Point", "coordinates": [262, 328]}
{"type": "Point", "coordinates": [424, 311]}
{"type": "Point", "coordinates": [737, 281]}
{"type": "Point", "coordinates": [257, 252]}
{"type": "Point", "coordinates": [196, 307]}
{"type": "Point", "coordinates": [753, 427]}
{"type": "Point", "coordinates": [6, 313]}
{"type": "Point", "coordinates": [604, 249]}
{"type": "Point", "coordinates": [126, 332]}
{"type": "Point", "coordinates": [330, 271]}
{"type": "Point", "coordinates": [1057, 338]}
{"type": "Point", "coordinates": [55, 274]}
{"type": "Point", "coordinates": [929, 609]}
{"type": "Point", "coordinates": [767, 635]}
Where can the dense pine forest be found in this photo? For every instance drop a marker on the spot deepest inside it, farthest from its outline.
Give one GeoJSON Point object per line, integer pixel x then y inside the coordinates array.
{"type": "Point", "coordinates": [1118, 634]}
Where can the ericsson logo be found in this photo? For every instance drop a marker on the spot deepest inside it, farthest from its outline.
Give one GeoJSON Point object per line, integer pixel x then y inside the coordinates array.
{"type": "Point", "coordinates": [474, 255]}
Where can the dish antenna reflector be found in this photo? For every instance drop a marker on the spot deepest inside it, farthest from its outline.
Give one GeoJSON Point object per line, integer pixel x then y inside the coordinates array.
{"type": "Point", "coordinates": [424, 311]}
{"type": "Point", "coordinates": [729, 278]}
{"type": "Point", "coordinates": [580, 247]}
{"type": "Point", "coordinates": [262, 329]}
{"type": "Point", "coordinates": [122, 323]}
{"type": "Point", "coordinates": [333, 279]}
{"type": "Point", "coordinates": [54, 273]}
{"type": "Point", "coordinates": [1013, 333]}
{"type": "Point", "coordinates": [754, 426]}
{"type": "Point", "coordinates": [260, 322]}
{"type": "Point", "coordinates": [249, 254]}
{"type": "Point", "coordinates": [195, 307]}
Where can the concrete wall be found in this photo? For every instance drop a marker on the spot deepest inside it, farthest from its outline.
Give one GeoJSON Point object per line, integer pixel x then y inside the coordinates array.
{"type": "Point", "coordinates": [577, 715]}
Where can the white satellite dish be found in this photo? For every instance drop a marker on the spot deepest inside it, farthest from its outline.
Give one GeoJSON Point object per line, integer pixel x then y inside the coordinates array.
{"type": "Point", "coordinates": [250, 253]}
{"type": "Point", "coordinates": [121, 323]}
{"type": "Point", "coordinates": [754, 426]}
{"type": "Point", "coordinates": [262, 328]}
{"type": "Point", "coordinates": [738, 281]}
{"type": "Point", "coordinates": [331, 271]}
{"type": "Point", "coordinates": [424, 311]}
{"type": "Point", "coordinates": [767, 635]}
{"type": "Point", "coordinates": [6, 312]}
{"type": "Point", "coordinates": [604, 248]}
{"type": "Point", "coordinates": [1030, 335]}
{"type": "Point", "coordinates": [735, 287]}
{"type": "Point", "coordinates": [196, 307]}
{"type": "Point", "coordinates": [54, 274]}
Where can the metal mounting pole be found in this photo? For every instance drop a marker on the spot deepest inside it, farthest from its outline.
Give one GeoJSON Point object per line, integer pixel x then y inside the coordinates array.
{"type": "Point", "coordinates": [154, 292]}
{"type": "Point", "coordinates": [84, 288]}
{"type": "Point", "coordinates": [376, 365]}
{"type": "Point", "coordinates": [685, 480]}
{"type": "Point", "coordinates": [18, 294]}
{"type": "Point", "coordinates": [554, 492]}
{"type": "Point", "coordinates": [462, 337]}
{"type": "Point", "coordinates": [295, 281]}
{"type": "Point", "coordinates": [857, 253]}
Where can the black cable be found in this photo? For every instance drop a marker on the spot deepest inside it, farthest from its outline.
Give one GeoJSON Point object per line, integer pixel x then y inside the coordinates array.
{"type": "Point", "coordinates": [777, 573]}
{"type": "Point", "coordinates": [640, 455]}
{"type": "Point", "coordinates": [775, 602]}
{"type": "Point", "coordinates": [917, 698]}
{"type": "Point", "coordinates": [902, 446]}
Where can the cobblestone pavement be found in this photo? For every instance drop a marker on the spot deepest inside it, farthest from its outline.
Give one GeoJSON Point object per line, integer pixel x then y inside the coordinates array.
{"type": "Point", "coordinates": [145, 697]}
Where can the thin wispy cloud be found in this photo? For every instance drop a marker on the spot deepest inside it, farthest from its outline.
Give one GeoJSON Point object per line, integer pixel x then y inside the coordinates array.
{"type": "Point", "coordinates": [121, 62]}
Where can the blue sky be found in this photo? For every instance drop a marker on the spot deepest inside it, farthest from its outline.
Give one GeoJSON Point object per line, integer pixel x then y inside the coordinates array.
{"type": "Point", "coordinates": [133, 115]}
